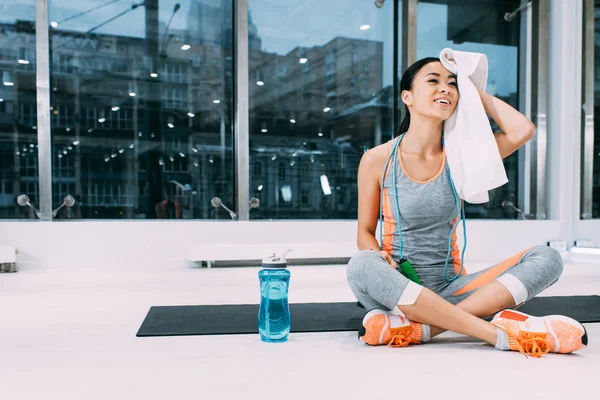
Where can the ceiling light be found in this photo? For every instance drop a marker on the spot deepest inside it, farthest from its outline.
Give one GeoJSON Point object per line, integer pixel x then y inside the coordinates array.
{"type": "Point", "coordinates": [325, 185]}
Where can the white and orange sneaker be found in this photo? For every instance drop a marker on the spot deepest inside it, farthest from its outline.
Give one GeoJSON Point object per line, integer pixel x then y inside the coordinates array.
{"type": "Point", "coordinates": [537, 336]}
{"type": "Point", "coordinates": [383, 327]}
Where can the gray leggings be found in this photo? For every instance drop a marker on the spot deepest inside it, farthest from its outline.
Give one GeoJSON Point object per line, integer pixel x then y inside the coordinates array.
{"type": "Point", "coordinates": [377, 285]}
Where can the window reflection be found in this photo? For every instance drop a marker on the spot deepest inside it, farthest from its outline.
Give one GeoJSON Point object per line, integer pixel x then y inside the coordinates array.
{"type": "Point", "coordinates": [142, 102]}
{"type": "Point", "coordinates": [18, 114]}
{"type": "Point", "coordinates": [479, 26]}
{"type": "Point", "coordinates": [142, 107]}
{"type": "Point", "coordinates": [321, 87]}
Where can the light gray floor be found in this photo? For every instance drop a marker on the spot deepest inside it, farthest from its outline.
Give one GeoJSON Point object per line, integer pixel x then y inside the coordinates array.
{"type": "Point", "coordinates": [72, 336]}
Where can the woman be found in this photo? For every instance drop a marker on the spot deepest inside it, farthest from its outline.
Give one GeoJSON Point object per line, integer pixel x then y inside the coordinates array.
{"type": "Point", "coordinates": [409, 179]}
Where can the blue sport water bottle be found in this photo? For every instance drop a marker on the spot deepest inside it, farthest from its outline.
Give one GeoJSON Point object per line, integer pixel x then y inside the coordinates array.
{"type": "Point", "coordinates": [274, 319]}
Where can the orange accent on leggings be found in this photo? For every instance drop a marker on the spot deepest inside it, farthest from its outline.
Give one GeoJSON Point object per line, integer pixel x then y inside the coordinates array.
{"type": "Point", "coordinates": [491, 274]}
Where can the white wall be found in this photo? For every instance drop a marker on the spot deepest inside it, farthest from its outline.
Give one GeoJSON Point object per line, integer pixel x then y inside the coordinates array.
{"type": "Point", "coordinates": [144, 245]}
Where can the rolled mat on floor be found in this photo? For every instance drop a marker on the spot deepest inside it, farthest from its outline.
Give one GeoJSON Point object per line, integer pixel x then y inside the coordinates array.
{"type": "Point", "coordinates": [318, 317]}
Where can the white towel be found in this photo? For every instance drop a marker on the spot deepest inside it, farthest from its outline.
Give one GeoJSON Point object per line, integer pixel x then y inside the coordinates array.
{"type": "Point", "coordinates": [471, 150]}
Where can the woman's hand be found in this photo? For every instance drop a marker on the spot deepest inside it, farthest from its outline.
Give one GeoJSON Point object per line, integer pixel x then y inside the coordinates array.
{"type": "Point", "coordinates": [388, 258]}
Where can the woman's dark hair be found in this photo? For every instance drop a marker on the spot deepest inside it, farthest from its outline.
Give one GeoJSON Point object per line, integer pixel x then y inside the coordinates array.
{"type": "Point", "coordinates": [406, 84]}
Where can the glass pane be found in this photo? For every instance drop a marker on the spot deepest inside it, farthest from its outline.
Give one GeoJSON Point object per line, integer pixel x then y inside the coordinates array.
{"type": "Point", "coordinates": [596, 162]}
{"type": "Point", "coordinates": [142, 108]}
{"type": "Point", "coordinates": [479, 26]}
{"type": "Point", "coordinates": [18, 114]}
{"type": "Point", "coordinates": [321, 93]}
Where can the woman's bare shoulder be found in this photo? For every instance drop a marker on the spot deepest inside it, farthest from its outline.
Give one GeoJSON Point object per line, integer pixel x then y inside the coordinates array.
{"type": "Point", "coordinates": [373, 162]}
{"type": "Point", "coordinates": [376, 157]}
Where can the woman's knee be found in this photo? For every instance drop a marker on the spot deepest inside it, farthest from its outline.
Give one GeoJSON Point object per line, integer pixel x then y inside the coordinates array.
{"type": "Point", "coordinates": [550, 259]}
{"type": "Point", "coordinates": [361, 260]}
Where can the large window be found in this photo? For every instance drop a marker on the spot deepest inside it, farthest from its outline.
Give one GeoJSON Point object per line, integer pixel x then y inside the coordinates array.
{"type": "Point", "coordinates": [141, 108]}
{"type": "Point", "coordinates": [142, 102]}
{"type": "Point", "coordinates": [18, 112]}
{"type": "Point", "coordinates": [479, 26]}
{"type": "Point", "coordinates": [321, 94]}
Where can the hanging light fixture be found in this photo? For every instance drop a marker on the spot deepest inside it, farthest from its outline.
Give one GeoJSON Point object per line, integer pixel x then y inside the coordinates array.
{"type": "Point", "coordinates": [7, 78]}
{"type": "Point", "coordinates": [131, 89]}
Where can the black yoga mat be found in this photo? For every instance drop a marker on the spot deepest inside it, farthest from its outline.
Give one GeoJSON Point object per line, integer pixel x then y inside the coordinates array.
{"type": "Point", "coordinates": [318, 317]}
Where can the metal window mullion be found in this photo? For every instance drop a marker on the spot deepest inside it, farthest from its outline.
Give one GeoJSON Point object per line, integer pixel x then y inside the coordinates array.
{"type": "Point", "coordinates": [539, 104]}
{"type": "Point", "coordinates": [241, 124]}
{"type": "Point", "coordinates": [43, 108]}
{"type": "Point", "coordinates": [587, 143]}
{"type": "Point", "coordinates": [409, 46]}
{"type": "Point", "coordinates": [409, 32]}
{"type": "Point", "coordinates": [524, 89]}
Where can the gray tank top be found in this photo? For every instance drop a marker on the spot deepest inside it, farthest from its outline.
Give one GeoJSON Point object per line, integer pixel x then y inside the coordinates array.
{"type": "Point", "coordinates": [428, 211]}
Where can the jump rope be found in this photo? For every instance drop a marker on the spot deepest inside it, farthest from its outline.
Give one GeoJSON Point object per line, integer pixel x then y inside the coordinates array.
{"type": "Point", "coordinates": [404, 265]}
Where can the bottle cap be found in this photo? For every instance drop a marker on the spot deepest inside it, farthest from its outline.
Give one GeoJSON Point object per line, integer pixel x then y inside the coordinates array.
{"type": "Point", "coordinates": [275, 261]}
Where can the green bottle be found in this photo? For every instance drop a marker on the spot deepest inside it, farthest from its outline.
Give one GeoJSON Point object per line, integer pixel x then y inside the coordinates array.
{"type": "Point", "coordinates": [406, 269]}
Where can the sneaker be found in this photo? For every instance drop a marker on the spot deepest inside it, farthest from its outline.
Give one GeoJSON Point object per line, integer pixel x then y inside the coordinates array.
{"type": "Point", "coordinates": [382, 327]}
{"type": "Point", "coordinates": [540, 335]}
